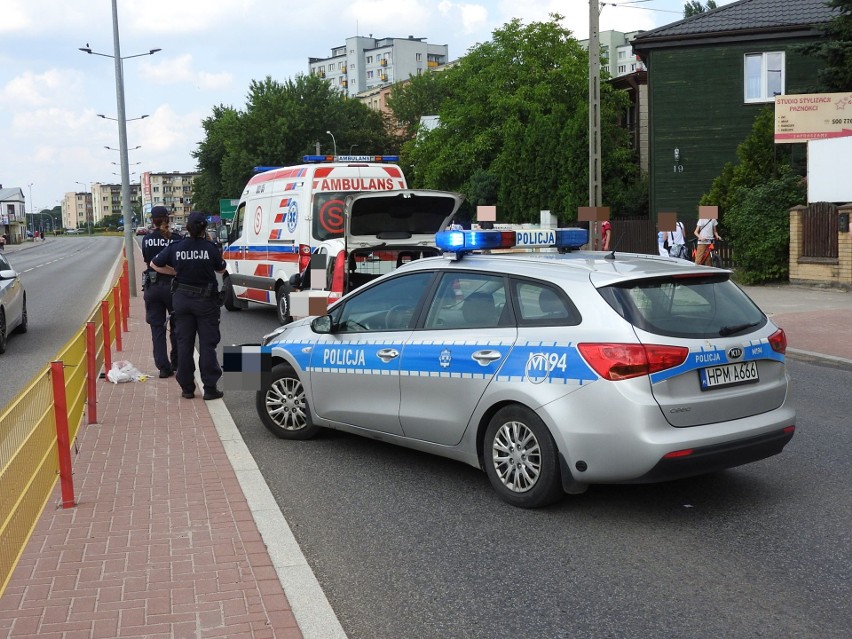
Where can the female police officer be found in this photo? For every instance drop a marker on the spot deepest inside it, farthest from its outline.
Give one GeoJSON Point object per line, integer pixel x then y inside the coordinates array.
{"type": "Point", "coordinates": [158, 292]}
{"type": "Point", "coordinates": [196, 260]}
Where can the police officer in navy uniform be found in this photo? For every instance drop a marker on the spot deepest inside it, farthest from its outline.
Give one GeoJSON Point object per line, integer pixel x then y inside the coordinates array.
{"type": "Point", "coordinates": [158, 293]}
{"type": "Point", "coordinates": [195, 260]}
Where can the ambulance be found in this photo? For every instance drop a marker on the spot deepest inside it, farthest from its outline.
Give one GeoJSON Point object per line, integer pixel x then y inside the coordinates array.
{"type": "Point", "coordinates": [291, 219]}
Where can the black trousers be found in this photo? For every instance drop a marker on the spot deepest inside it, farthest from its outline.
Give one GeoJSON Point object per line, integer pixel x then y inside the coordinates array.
{"type": "Point", "coordinates": [158, 307]}
{"type": "Point", "coordinates": [197, 316]}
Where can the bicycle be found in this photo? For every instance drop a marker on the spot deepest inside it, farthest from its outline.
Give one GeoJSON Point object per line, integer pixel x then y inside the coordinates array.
{"type": "Point", "coordinates": [711, 255]}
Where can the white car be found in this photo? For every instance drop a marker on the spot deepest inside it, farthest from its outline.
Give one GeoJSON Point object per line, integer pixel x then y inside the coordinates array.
{"type": "Point", "coordinates": [13, 303]}
{"type": "Point", "coordinates": [550, 371]}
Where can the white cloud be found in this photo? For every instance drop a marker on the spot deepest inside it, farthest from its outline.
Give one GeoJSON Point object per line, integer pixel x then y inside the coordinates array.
{"type": "Point", "coordinates": [180, 70]}
{"type": "Point", "coordinates": [38, 89]}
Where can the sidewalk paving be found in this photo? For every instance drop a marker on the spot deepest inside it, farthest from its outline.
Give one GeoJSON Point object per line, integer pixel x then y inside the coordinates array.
{"type": "Point", "coordinates": [162, 542]}
{"type": "Point", "coordinates": [167, 541]}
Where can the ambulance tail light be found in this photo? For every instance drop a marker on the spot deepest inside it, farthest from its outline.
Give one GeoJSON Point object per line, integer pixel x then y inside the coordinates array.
{"type": "Point", "coordinates": [616, 362]}
{"type": "Point", "coordinates": [304, 258]}
{"type": "Point", "coordinates": [337, 274]}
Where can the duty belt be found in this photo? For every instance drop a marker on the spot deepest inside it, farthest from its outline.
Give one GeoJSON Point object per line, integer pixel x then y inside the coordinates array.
{"type": "Point", "coordinates": [204, 291]}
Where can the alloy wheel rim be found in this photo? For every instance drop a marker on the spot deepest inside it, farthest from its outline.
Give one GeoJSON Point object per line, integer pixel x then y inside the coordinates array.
{"type": "Point", "coordinates": [285, 404]}
{"type": "Point", "coordinates": [516, 456]}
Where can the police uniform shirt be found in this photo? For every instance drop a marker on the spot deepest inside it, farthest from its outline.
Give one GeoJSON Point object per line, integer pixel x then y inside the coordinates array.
{"type": "Point", "coordinates": [196, 261]}
{"type": "Point", "coordinates": [154, 242]}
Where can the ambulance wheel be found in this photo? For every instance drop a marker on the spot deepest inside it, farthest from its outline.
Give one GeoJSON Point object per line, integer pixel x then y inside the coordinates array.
{"type": "Point", "coordinates": [282, 305]}
{"type": "Point", "coordinates": [230, 298]}
{"type": "Point", "coordinates": [521, 459]}
{"type": "Point", "coordinates": [282, 405]}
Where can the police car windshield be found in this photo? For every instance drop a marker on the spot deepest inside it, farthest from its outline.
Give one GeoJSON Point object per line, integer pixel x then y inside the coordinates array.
{"type": "Point", "coordinates": [696, 308]}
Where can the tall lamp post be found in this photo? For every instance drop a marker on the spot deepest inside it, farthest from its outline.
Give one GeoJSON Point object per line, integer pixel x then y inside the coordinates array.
{"type": "Point", "coordinates": [88, 194]}
{"type": "Point", "coordinates": [334, 142]}
{"type": "Point", "coordinates": [122, 141]}
{"type": "Point", "coordinates": [32, 215]}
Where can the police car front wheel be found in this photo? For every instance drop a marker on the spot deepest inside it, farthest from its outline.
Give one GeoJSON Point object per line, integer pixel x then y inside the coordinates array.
{"type": "Point", "coordinates": [521, 458]}
{"type": "Point", "coordinates": [282, 405]}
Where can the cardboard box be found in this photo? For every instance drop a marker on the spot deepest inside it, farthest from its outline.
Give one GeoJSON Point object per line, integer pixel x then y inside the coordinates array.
{"type": "Point", "coordinates": [304, 303]}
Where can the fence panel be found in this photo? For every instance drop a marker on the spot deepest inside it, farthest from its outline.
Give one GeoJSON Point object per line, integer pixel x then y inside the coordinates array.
{"type": "Point", "coordinates": [819, 230]}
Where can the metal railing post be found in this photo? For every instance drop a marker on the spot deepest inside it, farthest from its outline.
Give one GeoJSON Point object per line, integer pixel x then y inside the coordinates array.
{"type": "Point", "coordinates": [91, 374]}
{"type": "Point", "coordinates": [106, 336]}
{"type": "Point", "coordinates": [63, 441]}
{"type": "Point", "coordinates": [116, 306]}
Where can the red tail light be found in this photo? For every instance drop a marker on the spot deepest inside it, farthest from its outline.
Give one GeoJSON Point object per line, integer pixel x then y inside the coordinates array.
{"type": "Point", "coordinates": [337, 274]}
{"type": "Point", "coordinates": [304, 257]}
{"type": "Point", "coordinates": [623, 361]}
{"type": "Point", "coordinates": [778, 341]}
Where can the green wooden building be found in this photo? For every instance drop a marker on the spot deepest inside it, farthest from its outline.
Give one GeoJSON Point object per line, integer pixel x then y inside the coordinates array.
{"type": "Point", "coordinates": [708, 76]}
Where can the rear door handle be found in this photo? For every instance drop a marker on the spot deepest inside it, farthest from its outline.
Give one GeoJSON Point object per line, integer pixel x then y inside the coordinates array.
{"type": "Point", "coordinates": [387, 354]}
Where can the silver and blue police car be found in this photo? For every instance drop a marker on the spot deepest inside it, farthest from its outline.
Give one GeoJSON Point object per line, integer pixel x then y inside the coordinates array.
{"type": "Point", "coordinates": [549, 369]}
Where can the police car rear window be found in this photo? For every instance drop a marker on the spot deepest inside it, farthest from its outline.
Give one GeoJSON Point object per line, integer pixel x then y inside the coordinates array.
{"type": "Point", "coordinates": [693, 307]}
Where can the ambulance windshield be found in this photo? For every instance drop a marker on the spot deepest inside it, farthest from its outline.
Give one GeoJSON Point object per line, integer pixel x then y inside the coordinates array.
{"type": "Point", "coordinates": [328, 215]}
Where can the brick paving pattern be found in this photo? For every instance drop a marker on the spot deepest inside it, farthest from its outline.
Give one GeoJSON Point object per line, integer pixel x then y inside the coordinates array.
{"type": "Point", "coordinates": [161, 543]}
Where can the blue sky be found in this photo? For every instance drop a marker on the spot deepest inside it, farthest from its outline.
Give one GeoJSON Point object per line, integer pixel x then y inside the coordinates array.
{"type": "Point", "coordinates": [50, 92]}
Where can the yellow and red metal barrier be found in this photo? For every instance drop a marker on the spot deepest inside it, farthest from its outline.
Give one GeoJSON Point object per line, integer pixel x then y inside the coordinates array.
{"type": "Point", "coordinates": [38, 426]}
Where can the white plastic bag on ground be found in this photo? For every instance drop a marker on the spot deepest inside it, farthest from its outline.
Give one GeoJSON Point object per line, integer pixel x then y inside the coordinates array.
{"type": "Point", "coordinates": [124, 371]}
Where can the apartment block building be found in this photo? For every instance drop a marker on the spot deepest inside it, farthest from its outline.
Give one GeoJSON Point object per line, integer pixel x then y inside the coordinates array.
{"type": "Point", "coordinates": [77, 210]}
{"type": "Point", "coordinates": [106, 200]}
{"type": "Point", "coordinates": [172, 190]}
{"type": "Point", "coordinates": [617, 57]}
{"type": "Point", "coordinates": [365, 62]}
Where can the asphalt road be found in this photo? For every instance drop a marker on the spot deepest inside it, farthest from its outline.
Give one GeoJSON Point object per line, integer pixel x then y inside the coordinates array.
{"type": "Point", "coordinates": [64, 278]}
{"type": "Point", "coordinates": [409, 545]}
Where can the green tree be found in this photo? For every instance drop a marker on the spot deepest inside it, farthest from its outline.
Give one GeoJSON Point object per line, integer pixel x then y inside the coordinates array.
{"type": "Point", "coordinates": [835, 51]}
{"type": "Point", "coordinates": [421, 95]}
{"type": "Point", "coordinates": [518, 113]}
{"type": "Point", "coordinates": [694, 7]}
{"type": "Point", "coordinates": [280, 123]}
{"type": "Point", "coordinates": [754, 196]}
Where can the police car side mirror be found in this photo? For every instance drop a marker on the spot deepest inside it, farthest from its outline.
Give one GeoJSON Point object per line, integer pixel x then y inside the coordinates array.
{"type": "Point", "coordinates": [8, 274]}
{"type": "Point", "coordinates": [322, 325]}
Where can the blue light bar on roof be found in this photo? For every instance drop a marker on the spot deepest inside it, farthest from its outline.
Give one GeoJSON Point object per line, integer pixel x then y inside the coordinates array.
{"type": "Point", "coordinates": [311, 159]}
{"type": "Point", "coordinates": [263, 169]}
{"type": "Point", "coordinates": [458, 241]}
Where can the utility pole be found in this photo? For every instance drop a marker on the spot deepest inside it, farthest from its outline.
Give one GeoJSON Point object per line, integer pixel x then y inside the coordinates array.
{"type": "Point", "coordinates": [594, 106]}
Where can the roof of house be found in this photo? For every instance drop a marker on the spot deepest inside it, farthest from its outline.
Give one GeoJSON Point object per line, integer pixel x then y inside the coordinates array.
{"type": "Point", "coordinates": [12, 194]}
{"type": "Point", "coordinates": [743, 18]}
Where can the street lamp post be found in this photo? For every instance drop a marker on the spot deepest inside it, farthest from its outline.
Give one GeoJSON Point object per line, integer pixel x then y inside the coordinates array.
{"type": "Point", "coordinates": [87, 193]}
{"type": "Point", "coordinates": [352, 147]}
{"type": "Point", "coordinates": [122, 141]}
{"type": "Point", "coordinates": [32, 215]}
{"type": "Point", "coordinates": [334, 142]}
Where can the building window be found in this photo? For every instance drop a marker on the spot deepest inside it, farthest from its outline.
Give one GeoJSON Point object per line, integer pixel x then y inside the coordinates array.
{"type": "Point", "coordinates": [369, 74]}
{"type": "Point", "coordinates": [369, 59]}
{"type": "Point", "coordinates": [764, 76]}
{"type": "Point", "coordinates": [418, 56]}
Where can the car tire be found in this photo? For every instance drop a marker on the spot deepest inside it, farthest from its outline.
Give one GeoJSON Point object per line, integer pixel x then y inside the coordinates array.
{"type": "Point", "coordinates": [520, 458]}
{"type": "Point", "coordinates": [283, 407]}
{"type": "Point", "coordinates": [230, 299]}
{"type": "Point", "coordinates": [22, 327]}
{"type": "Point", "coordinates": [282, 305]}
{"type": "Point", "coordinates": [2, 331]}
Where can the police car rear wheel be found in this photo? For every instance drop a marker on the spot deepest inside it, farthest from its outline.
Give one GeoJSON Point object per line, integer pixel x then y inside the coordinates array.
{"type": "Point", "coordinates": [282, 405]}
{"type": "Point", "coordinates": [282, 305]}
{"type": "Point", "coordinates": [520, 458]}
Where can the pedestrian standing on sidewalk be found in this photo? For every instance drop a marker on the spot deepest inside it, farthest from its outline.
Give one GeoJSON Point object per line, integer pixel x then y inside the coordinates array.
{"type": "Point", "coordinates": [705, 231]}
{"type": "Point", "coordinates": [606, 235]}
{"type": "Point", "coordinates": [195, 260]}
{"type": "Point", "coordinates": [157, 289]}
{"type": "Point", "coordinates": [677, 242]}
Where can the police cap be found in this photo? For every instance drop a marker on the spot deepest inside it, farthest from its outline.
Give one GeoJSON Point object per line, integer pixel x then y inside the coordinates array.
{"type": "Point", "coordinates": [197, 217]}
{"type": "Point", "coordinates": [159, 213]}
